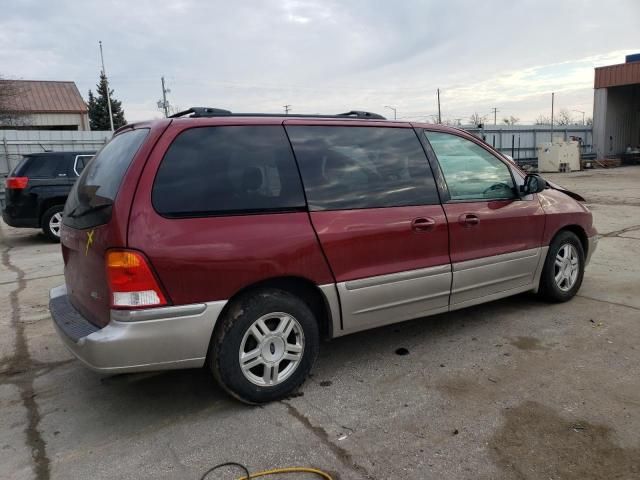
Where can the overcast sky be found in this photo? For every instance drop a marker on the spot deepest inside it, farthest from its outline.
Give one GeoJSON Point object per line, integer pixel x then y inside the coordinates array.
{"type": "Point", "coordinates": [325, 56]}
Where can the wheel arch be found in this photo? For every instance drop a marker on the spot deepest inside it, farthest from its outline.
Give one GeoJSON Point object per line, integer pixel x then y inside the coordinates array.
{"type": "Point", "coordinates": [579, 232]}
{"type": "Point", "coordinates": [301, 287]}
{"type": "Point", "coordinates": [47, 203]}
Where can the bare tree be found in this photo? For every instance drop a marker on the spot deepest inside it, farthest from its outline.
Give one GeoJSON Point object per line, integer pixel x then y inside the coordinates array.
{"type": "Point", "coordinates": [476, 119]}
{"type": "Point", "coordinates": [9, 90]}
{"type": "Point", "coordinates": [542, 120]}
{"type": "Point", "coordinates": [455, 122]}
{"type": "Point", "coordinates": [589, 121]}
{"type": "Point", "coordinates": [564, 118]}
{"type": "Point", "coordinates": [510, 120]}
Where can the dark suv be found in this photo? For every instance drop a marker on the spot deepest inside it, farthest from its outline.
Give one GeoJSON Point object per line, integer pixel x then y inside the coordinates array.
{"type": "Point", "coordinates": [36, 190]}
{"type": "Point", "coordinates": [238, 241]}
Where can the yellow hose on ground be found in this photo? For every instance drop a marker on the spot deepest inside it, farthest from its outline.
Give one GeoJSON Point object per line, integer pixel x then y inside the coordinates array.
{"type": "Point", "coordinates": [277, 471]}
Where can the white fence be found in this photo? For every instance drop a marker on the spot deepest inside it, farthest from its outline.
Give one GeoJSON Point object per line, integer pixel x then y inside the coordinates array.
{"type": "Point", "coordinates": [16, 143]}
{"type": "Point", "coordinates": [520, 141]}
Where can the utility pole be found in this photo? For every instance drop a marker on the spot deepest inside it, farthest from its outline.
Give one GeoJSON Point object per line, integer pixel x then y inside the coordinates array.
{"type": "Point", "coordinates": [580, 111]}
{"type": "Point", "coordinates": [104, 72]}
{"type": "Point", "coordinates": [552, 100]}
{"type": "Point", "coordinates": [394, 111]}
{"type": "Point", "coordinates": [439, 113]}
{"type": "Point", "coordinates": [164, 104]}
{"type": "Point", "coordinates": [495, 115]}
{"type": "Point", "coordinates": [287, 107]}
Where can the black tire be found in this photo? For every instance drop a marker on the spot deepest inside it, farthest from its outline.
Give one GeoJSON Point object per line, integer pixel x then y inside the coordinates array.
{"type": "Point", "coordinates": [234, 327]}
{"type": "Point", "coordinates": [549, 288]}
{"type": "Point", "coordinates": [46, 223]}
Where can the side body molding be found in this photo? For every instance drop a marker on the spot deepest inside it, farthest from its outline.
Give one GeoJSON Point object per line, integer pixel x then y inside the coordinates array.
{"type": "Point", "coordinates": [385, 299]}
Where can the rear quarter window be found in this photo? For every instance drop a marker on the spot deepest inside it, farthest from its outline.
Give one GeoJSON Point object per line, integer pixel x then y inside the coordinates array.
{"type": "Point", "coordinates": [89, 202]}
{"type": "Point", "coordinates": [42, 166]}
{"type": "Point", "coordinates": [228, 170]}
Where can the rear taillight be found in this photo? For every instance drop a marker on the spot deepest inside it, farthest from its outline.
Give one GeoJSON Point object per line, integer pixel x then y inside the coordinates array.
{"type": "Point", "coordinates": [16, 183]}
{"type": "Point", "coordinates": [131, 281]}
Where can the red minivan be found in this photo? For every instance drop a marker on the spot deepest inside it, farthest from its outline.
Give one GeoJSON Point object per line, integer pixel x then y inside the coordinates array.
{"type": "Point", "coordinates": [238, 241]}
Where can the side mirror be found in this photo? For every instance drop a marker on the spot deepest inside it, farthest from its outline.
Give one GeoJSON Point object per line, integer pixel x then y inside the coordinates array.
{"type": "Point", "coordinates": [533, 183]}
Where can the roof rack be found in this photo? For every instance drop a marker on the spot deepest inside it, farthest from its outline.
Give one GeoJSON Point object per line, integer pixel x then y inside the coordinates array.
{"type": "Point", "coordinates": [196, 112]}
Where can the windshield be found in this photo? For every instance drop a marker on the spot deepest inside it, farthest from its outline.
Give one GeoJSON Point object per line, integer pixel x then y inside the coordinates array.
{"type": "Point", "coordinates": [93, 194]}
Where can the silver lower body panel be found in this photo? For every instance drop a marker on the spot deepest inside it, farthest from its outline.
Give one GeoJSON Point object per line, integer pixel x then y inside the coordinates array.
{"type": "Point", "coordinates": [150, 339]}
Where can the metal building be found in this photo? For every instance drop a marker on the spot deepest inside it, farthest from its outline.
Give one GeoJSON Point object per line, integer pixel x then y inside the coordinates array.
{"type": "Point", "coordinates": [616, 108]}
{"type": "Point", "coordinates": [43, 105]}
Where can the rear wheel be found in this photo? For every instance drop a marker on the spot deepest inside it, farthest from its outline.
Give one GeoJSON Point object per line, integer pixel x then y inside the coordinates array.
{"type": "Point", "coordinates": [52, 222]}
{"type": "Point", "coordinates": [563, 269]}
{"type": "Point", "coordinates": [265, 346]}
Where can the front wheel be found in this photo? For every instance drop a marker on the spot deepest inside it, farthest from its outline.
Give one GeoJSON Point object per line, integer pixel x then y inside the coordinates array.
{"type": "Point", "coordinates": [563, 269]}
{"type": "Point", "coordinates": [52, 222]}
{"type": "Point", "coordinates": [265, 346]}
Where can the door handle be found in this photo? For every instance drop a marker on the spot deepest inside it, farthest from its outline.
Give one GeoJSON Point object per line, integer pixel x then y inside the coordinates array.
{"type": "Point", "coordinates": [423, 224]}
{"type": "Point", "coordinates": [468, 219]}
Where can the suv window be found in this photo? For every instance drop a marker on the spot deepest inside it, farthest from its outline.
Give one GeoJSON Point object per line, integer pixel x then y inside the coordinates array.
{"type": "Point", "coordinates": [228, 170]}
{"type": "Point", "coordinates": [80, 162]}
{"type": "Point", "coordinates": [42, 166]}
{"type": "Point", "coordinates": [93, 194]}
{"type": "Point", "coordinates": [471, 172]}
{"type": "Point", "coordinates": [362, 167]}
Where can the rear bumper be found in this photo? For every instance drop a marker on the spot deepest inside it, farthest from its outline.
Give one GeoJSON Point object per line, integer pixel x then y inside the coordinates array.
{"type": "Point", "coordinates": [593, 243]}
{"type": "Point", "coordinates": [141, 340]}
{"type": "Point", "coordinates": [19, 222]}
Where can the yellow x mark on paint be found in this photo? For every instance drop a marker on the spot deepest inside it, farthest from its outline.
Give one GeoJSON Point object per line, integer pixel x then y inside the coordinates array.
{"type": "Point", "coordinates": [89, 241]}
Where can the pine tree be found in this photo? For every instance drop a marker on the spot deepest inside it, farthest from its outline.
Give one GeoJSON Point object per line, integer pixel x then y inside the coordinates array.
{"type": "Point", "coordinates": [99, 109]}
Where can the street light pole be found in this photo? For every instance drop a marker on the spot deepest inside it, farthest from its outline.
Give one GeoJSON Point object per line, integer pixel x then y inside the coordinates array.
{"type": "Point", "coordinates": [104, 72]}
{"type": "Point", "coordinates": [580, 111]}
{"type": "Point", "coordinates": [394, 111]}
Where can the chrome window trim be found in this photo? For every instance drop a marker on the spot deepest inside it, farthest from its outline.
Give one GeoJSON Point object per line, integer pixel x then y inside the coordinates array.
{"type": "Point", "coordinates": [75, 163]}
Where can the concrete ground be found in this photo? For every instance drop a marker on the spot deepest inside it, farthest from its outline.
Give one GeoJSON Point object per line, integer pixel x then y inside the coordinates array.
{"type": "Point", "coordinates": [512, 389]}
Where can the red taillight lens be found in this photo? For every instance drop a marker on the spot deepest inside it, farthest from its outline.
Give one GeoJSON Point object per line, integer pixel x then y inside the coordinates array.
{"type": "Point", "coordinates": [131, 281]}
{"type": "Point", "coordinates": [16, 183]}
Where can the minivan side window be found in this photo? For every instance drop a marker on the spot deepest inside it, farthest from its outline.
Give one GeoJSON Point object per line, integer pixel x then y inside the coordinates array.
{"type": "Point", "coordinates": [228, 170]}
{"type": "Point", "coordinates": [471, 172]}
{"type": "Point", "coordinates": [362, 167]}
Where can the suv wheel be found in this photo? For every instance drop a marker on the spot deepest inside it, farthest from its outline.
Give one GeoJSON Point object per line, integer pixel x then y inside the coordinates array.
{"type": "Point", "coordinates": [52, 222]}
{"type": "Point", "coordinates": [563, 269]}
{"type": "Point", "coordinates": [265, 346]}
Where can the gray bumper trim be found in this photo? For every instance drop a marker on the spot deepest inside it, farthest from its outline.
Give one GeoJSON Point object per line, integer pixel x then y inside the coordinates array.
{"type": "Point", "coordinates": [593, 243]}
{"type": "Point", "coordinates": [149, 339]}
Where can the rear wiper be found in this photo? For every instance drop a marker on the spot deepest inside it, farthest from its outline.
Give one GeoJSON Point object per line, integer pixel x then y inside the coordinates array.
{"type": "Point", "coordinates": [76, 212]}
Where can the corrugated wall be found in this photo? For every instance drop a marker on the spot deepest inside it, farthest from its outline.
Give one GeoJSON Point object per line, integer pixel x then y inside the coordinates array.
{"type": "Point", "coordinates": [520, 141]}
{"type": "Point", "coordinates": [16, 143]}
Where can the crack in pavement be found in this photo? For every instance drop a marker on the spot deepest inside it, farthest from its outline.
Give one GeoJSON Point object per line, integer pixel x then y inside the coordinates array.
{"type": "Point", "coordinates": [340, 453]}
{"type": "Point", "coordinates": [616, 233]}
{"type": "Point", "coordinates": [32, 278]}
{"type": "Point", "coordinates": [607, 301]}
{"type": "Point", "coordinates": [21, 361]}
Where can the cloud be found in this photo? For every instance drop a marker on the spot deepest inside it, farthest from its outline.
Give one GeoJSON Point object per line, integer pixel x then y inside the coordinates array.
{"type": "Point", "coordinates": [324, 55]}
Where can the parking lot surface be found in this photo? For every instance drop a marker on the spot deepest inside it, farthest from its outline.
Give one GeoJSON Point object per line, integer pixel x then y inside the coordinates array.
{"type": "Point", "coordinates": [516, 388]}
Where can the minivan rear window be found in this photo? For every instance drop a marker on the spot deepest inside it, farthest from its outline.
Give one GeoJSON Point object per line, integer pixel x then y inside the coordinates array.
{"type": "Point", "coordinates": [90, 200]}
{"type": "Point", "coordinates": [228, 170]}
